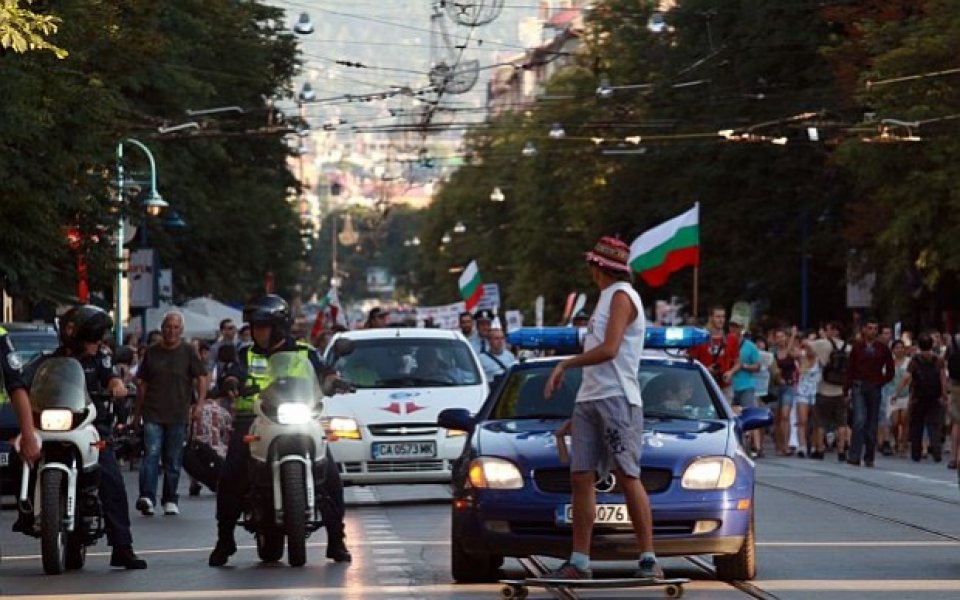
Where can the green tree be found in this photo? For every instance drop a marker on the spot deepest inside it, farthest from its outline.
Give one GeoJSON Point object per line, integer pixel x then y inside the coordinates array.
{"type": "Point", "coordinates": [23, 30]}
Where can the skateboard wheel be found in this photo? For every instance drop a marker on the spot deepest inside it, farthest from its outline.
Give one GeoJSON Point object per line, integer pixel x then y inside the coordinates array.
{"type": "Point", "coordinates": [674, 591]}
{"type": "Point", "coordinates": [511, 592]}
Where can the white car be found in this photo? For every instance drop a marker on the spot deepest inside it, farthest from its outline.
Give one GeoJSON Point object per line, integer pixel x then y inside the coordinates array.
{"type": "Point", "coordinates": [387, 431]}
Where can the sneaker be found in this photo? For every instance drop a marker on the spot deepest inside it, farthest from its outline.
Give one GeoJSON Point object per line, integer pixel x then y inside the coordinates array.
{"type": "Point", "coordinates": [222, 552]}
{"type": "Point", "coordinates": [568, 570]}
{"type": "Point", "coordinates": [124, 556]}
{"type": "Point", "coordinates": [816, 455]}
{"type": "Point", "coordinates": [801, 454]}
{"type": "Point", "coordinates": [649, 569]}
{"type": "Point", "coordinates": [145, 506]}
{"type": "Point", "coordinates": [842, 456]}
{"type": "Point", "coordinates": [854, 463]}
{"type": "Point", "coordinates": [194, 489]}
{"type": "Point", "coordinates": [886, 449]}
{"type": "Point", "coordinates": [170, 508]}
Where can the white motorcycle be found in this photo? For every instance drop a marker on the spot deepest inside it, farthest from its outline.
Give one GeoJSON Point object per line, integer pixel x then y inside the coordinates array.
{"type": "Point", "coordinates": [64, 509]}
{"type": "Point", "coordinates": [288, 453]}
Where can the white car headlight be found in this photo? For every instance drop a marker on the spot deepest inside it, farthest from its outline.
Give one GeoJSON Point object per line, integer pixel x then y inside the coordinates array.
{"type": "Point", "coordinates": [56, 419]}
{"type": "Point", "coordinates": [495, 474]}
{"type": "Point", "coordinates": [341, 428]}
{"type": "Point", "coordinates": [712, 473]}
{"type": "Point", "coordinates": [293, 413]}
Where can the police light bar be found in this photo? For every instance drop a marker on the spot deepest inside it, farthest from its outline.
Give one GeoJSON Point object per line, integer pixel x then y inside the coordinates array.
{"type": "Point", "coordinates": [570, 338]}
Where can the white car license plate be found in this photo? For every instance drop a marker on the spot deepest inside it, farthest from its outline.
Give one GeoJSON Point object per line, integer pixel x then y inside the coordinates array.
{"type": "Point", "coordinates": [4, 458]}
{"type": "Point", "coordinates": [404, 450]}
{"type": "Point", "coordinates": [610, 514]}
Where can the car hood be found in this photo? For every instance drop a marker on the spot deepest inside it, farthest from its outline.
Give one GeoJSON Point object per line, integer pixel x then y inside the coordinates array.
{"type": "Point", "coordinates": [668, 444]}
{"type": "Point", "coordinates": [403, 405]}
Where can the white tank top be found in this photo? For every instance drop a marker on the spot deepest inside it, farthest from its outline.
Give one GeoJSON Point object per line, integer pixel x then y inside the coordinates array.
{"type": "Point", "coordinates": [619, 376]}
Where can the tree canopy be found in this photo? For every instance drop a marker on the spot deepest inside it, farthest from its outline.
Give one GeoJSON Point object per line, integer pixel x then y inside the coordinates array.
{"type": "Point", "coordinates": [756, 110]}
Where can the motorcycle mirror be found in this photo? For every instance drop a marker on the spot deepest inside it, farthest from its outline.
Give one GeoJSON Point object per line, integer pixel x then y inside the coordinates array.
{"type": "Point", "coordinates": [342, 347]}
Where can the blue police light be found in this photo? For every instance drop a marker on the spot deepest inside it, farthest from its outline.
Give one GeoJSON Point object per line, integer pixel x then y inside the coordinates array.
{"type": "Point", "coordinates": [570, 338]}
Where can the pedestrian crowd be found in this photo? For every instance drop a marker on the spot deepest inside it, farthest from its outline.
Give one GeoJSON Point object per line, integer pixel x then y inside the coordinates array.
{"type": "Point", "coordinates": [857, 392]}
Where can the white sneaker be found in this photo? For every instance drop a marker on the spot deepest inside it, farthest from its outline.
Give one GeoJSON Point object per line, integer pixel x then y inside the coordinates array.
{"type": "Point", "coordinates": [169, 508]}
{"type": "Point", "coordinates": [145, 506]}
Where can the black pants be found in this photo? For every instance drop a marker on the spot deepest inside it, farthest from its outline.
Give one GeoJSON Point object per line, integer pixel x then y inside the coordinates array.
{"type": "Point", "coordinates": [929, 416]}
{"type": "Point", "coordinates": [113, 498]}
{"type": "Point", "coordinates": [235, 479]}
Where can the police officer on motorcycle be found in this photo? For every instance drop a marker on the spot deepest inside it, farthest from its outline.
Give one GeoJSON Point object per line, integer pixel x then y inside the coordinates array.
{"type": "Point", "coordinates": [81, 332]}
{"type": "Point", "coordinates": [270, 319]}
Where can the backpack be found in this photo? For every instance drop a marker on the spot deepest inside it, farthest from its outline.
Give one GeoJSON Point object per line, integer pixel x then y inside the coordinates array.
{"type": "Point", "coordinates": [835, 371]}
{"type": "Point", "coordinates": [953, 359]}
{"type": "Point", "coordinates": [926, 379]}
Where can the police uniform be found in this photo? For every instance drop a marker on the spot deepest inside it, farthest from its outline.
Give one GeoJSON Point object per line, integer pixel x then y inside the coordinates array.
{"type": "Point", "coordinates": [10, 362]}
{"type": "Point", "coordinates": [99, 370]}
{"type": "Point", "coordinates": [234, 477]}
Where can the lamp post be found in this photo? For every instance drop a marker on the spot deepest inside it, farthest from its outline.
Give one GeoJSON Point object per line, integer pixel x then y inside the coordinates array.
{"type": "Point", "coordinates": [154, 203]}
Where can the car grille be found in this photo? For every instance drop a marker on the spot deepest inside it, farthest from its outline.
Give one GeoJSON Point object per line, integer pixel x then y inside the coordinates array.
{"type": "Point", "coordinates": [557, 481]}
{"type": "Point", "coordinates": [404, 429]}
{"type": "Point", "coordinates": [396, 466]}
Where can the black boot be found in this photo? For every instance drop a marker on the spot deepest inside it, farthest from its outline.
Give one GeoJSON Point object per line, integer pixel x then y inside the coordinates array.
{"type": "Point", "coordinates": [222, 552]}
{"type": "Point", "coordinates": [337, 550]}
{"type": "Point", "coordinates": [124, 556]}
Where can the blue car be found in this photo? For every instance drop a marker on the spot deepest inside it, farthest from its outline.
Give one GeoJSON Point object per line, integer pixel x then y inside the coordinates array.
{"type": "Point", "coordinates": [512, 492]}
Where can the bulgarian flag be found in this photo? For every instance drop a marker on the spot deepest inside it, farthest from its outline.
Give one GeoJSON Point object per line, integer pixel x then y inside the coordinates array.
{"type": "Point", "coordinates": [330, 313]}
{"type": "Point", "coordinates": [667, 248]}
{"type": "Point", "coordinates": [471, 287]}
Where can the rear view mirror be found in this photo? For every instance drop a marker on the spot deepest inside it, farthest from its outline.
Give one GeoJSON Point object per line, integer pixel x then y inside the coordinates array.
{"type": "Point", "coordinates": [457, 419]}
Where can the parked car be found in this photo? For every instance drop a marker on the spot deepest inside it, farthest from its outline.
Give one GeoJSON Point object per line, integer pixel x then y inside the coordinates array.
{"type": "Point", "coordinates": [387, 431]}
{"type": "Point", "coordinates": [29, 339]}
{"type": "Point", "coordinates": [512, 492]}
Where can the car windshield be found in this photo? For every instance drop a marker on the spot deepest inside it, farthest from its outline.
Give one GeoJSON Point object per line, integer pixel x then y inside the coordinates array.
{"type": "Point", "coordinates": [676, 391]}
{"type": "Point", "coordinates": [409, 362]}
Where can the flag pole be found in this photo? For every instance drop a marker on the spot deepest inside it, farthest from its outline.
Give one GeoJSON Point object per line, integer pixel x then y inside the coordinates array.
{"type": "Point", "coordinates": [696, 289]}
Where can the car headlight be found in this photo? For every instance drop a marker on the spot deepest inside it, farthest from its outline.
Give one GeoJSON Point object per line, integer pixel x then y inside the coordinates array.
{"type": "Point", "coordinates": [495, 474]}
{"type": "Point", "coordinates": [455, 433]}
{"type": "Point", "coordinates": [341, 428]}
{"type": "Point", "coordinates": [56, 419]}
{"type": "Point", "coordinates": [712, 473]}
{"type": "Point", "coordinates": [294, 413]}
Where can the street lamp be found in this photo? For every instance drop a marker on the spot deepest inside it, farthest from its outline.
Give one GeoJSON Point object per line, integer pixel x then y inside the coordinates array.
{"type": "Point", "coordinates": [154, 203]}
{"type": "Point", "coordinates": [497, 195]}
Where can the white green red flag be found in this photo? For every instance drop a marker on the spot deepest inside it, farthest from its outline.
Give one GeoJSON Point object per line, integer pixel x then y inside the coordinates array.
{"type": "Point", "coordinates": [471, 286]}
{"type": "Point", "coordinates": [667, 248]}
{"type": "Point", "coordinates": [330, 313]}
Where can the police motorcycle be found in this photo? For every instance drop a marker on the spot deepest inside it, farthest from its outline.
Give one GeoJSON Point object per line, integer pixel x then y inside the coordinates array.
{"type": "Point", "coordinates": [63, 509]}
{"type": "Point", "coordinates": [288, 453]}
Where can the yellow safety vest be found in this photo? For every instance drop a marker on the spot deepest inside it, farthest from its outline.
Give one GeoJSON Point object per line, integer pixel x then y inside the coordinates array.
{"type": "Point", "coordinates": [258, 374]}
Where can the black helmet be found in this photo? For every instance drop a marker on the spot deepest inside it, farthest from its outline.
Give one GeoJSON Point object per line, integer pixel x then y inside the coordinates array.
{"type": "Point", "coordinates": [83, 323]}
{"type": "Point", "coordinates": [270, 310]}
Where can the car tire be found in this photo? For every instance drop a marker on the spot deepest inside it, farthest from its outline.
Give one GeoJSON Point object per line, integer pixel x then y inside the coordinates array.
{"type": "Point", "coordinates": [741, 566]}
{"type": "Point", "coordinates": [473, 568]}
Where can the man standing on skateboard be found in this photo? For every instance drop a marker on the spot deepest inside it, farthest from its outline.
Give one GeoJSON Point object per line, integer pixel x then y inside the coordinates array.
{"type": "Point", "coordinates": [607, 422]}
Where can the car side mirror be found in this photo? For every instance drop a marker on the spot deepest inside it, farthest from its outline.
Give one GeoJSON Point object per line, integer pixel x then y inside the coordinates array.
{"type": "Point", "coordinates": [457, 419]}
{"type": "Point", "coordinates": [755, 418]}
{"type": "Point", "coordinates": [342, 347]}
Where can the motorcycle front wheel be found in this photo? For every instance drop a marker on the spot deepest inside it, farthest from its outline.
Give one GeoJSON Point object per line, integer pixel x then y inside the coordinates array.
{"type": "Point", "coordinates": [294, 489]}
{"type": "Point", "coordinates": [53, 539]}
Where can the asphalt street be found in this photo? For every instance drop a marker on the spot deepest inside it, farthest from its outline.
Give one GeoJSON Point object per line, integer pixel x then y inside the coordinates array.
{"type": "Point", "coordinates": [825, 530]}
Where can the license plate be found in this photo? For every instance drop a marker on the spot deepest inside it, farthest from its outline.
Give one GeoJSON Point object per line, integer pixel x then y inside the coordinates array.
{"type": "Point", "coordinates": [5, 459]}
{"type": "Point", "coordinates": [609, 514]}
{"type": "Point", "coordinates": [404, 450]}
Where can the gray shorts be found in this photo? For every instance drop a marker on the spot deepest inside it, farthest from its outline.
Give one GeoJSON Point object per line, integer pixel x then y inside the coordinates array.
{"type": "Point", "coordinates": [607, 434]}
{"type": "Point", "coordinates": [745, 398]}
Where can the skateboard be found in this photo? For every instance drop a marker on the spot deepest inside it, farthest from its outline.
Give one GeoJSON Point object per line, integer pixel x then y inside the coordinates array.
{"type": "Point", "coordinates": [519, 588]}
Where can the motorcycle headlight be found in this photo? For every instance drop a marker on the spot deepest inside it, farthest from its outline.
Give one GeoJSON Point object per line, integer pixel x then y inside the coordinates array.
{"type": "Point", "coordinates": [712, 473]}
{"type": "Point", "coordinates": [495, 474]}
{"type": "Point", "coordinates": [56, 419]}
{"type": "Point", "coordinates": [292, 413]}
{"type": "Point", "coordinates": [341, 428]}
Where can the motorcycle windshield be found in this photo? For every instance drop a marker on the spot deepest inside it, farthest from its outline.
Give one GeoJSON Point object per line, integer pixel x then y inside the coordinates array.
{"type": "Point", "coordinates": [59, 383]}
{"type": "Point", "coordinates": [291, 378]}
